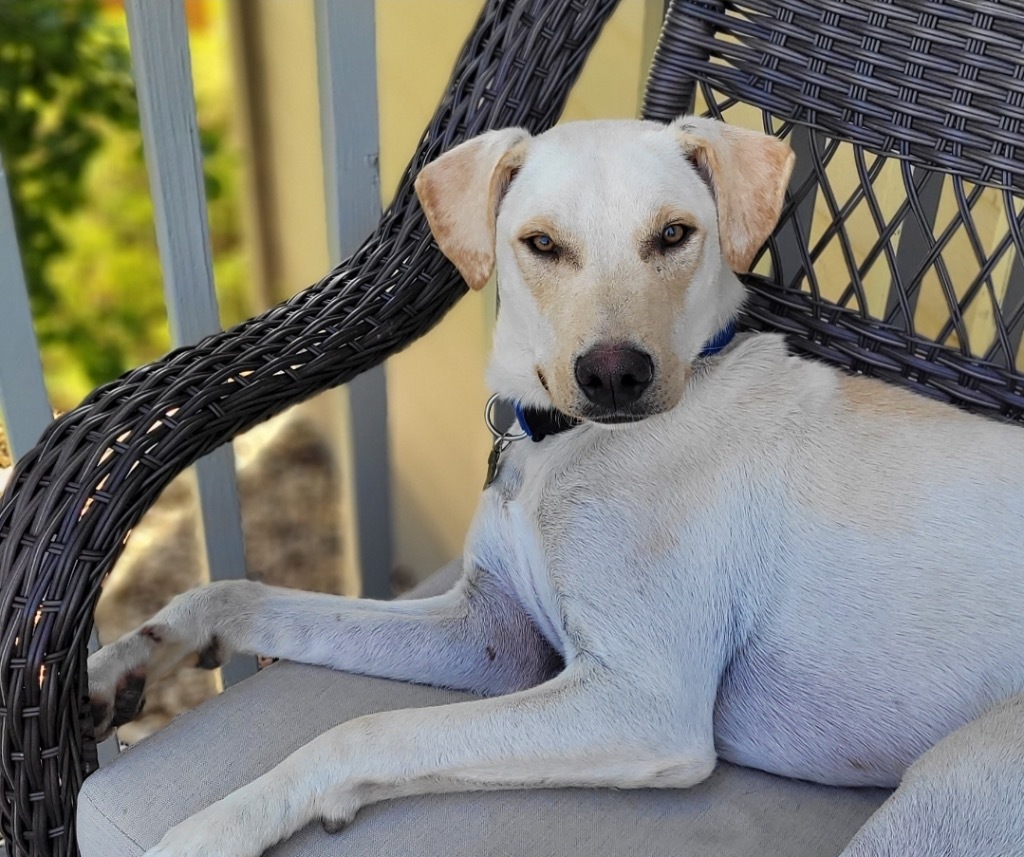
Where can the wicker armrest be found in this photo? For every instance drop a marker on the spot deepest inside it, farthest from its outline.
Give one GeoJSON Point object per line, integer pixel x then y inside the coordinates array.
{"type": "Point", "coordinates": [73, 500]}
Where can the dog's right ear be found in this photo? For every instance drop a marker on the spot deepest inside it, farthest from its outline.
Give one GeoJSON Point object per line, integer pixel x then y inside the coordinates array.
{"type": "Point", "coordinates": [748, 173]}
{"type": "Point", "coordinates": [460, 193]}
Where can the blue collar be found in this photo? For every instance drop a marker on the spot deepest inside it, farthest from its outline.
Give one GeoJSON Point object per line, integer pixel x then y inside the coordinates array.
{"type": "Point", "coordinates": [719, 341]}
{"type": "Point", "coordinates": [539, 423]}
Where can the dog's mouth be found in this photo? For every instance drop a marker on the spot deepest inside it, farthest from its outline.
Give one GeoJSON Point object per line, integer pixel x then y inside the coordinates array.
{"type": "Point", "coordinates": [635, 412]}
{"type": "Point", "coordinates": [618, 417]}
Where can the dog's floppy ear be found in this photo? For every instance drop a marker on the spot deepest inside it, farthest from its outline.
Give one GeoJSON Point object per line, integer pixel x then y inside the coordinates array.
{"type": "Point", "coordinates": [748, 173]}
{"type": "Point", "coordinates": [460, 193]}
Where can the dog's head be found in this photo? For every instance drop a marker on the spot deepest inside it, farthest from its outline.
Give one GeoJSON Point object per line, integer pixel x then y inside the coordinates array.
{"type": "Point", "coordinates": [615, 244]}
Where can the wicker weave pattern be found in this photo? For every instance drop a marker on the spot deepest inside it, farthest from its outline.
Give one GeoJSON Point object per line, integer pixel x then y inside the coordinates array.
{"type": "Point", "coordinates": [878, 88]}
{"type": "Point", "coordinates": [938, 81]}
{"type": "Point", "coordinates": [74, 498]}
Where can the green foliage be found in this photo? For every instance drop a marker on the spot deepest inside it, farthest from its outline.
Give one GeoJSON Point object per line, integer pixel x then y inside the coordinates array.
{"type": "Point", "coordinates": [70, 139]}
{"type": "Point", "coordinates": [63, 75]}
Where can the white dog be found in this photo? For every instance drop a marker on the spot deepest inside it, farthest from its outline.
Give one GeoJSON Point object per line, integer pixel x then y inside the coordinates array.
{"type": "Point", "coordinates": [721, 553]}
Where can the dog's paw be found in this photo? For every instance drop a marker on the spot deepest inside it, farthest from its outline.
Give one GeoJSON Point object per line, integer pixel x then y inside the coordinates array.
{"type": "Point", "coordinates": [244, 824]}
{"type": "Point", "coordinates": [120, 672]}
{"type": "Point", "coordinates": [117, 688]}
{"type": "Point", "coordinates": [213, 832]}
{"type": "Point", "coordinates": [123, 705]}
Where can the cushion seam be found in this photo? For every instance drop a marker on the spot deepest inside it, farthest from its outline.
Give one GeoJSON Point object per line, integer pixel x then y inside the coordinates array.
{"type": "Point", "coordinates": [110, 821]}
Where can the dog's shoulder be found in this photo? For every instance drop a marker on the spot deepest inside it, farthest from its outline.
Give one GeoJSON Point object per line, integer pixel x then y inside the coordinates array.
{"type": "Point", "coordinates": [759, 387]}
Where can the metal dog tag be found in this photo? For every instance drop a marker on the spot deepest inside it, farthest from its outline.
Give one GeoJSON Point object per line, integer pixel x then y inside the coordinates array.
{"type": "Point", "coordinates": [502, 441]}
{"type": "Point", "coordinates": [492, 462]}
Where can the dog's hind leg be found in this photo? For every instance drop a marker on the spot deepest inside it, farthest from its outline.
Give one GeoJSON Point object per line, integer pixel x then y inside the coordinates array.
{"type": "Point", "coordinates": [963, 798]}
{"type": "Point", "coordinates": [474, 638]}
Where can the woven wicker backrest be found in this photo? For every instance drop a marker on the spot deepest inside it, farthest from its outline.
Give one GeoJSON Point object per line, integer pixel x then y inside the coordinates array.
{"type": "Point", "coordinates": [901, 250]}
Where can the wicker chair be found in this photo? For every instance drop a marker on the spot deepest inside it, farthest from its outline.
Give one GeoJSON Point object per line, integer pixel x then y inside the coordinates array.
{"type": "Point", "coordinates": [926, 91]}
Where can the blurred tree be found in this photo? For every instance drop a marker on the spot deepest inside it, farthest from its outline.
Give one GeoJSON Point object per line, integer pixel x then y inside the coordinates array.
{"type": "Point", "coordinates": [63, 74]}
{"type": "Point", "coordinates": [69, 135]}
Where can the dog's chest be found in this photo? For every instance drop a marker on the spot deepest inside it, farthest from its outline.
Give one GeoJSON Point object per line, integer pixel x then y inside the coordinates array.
{"type": "Point", "coordinates": [520, 531]}
{"type": "Point", "coordinates": [503, 542]}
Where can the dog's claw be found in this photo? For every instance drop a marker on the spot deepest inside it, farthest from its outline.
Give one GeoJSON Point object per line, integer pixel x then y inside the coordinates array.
{"type": "Point", "coordinates": [98, 712]}
{"type": "Point", "coordinates": [333, 826]}
{"type": "Point", "coordinates": [212, 656]}
{"type": "Point", "coordinates": [129, 699]}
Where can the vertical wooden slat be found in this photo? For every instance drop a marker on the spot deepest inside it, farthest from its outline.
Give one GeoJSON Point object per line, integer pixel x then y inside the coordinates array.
{"type": "Point", "coordinates": [1013, 299]}
{"type": "Point", "coordinates": [796, 232]}
{"type": "Point", "coordinates": [346, 54]}
{"type": "Point", "coordinates": [914, 241]}
{"type": "Point", "coordinates": [163, 76]}
{"type": "Point", "coordinates": [653, 17]}
{"type": "Point", "coordinates": [23, 399]}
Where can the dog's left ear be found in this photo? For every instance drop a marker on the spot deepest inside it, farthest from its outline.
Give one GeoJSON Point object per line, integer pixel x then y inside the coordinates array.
{"type": "Point", "coordinates": [460, 193]}
{"type": "Point", "coordinates": [748, 173]}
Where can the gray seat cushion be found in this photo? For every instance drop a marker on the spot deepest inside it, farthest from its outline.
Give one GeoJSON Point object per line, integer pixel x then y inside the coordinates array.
{"type": "Point", "coordinates": [125, 807]}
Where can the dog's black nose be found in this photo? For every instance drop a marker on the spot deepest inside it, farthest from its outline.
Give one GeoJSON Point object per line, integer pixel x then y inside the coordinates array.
{"type": "Point", "coordinates": [614, 376]}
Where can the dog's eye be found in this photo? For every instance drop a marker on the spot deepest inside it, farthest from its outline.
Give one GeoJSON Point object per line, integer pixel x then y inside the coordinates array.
{"type": "Point", "coordinates": [542, 243]}
{"type": "Point", "coordinates": [675, 234]}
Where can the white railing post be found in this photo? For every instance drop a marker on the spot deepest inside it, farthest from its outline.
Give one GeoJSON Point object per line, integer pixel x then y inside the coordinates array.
{"type": "Point", "coordinates": [23, 399]}
{"type": "Point", "coordinates": [346, 55]}
{"type": "Point", "coordinates": [158, 35]}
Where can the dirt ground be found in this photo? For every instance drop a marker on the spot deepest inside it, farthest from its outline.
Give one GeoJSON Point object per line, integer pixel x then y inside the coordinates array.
{"type": "Point", "coordinates": [290, 495]}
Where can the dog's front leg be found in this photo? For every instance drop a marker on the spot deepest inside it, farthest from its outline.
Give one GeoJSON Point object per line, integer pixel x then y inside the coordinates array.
{"type": "Point", "coordinates": [579, 729]}
{"type": "Point", "coordinates": [474, 638]}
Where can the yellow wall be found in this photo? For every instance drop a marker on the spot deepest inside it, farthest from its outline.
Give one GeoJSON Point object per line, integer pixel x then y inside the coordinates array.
{"type": "Point", "coordinates": [287, 183]}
